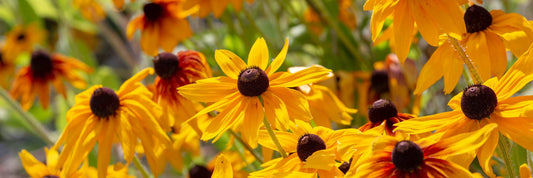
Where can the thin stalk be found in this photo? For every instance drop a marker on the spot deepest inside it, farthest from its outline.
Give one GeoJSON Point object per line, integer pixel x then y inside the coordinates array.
{"type": "Point", "coordinates": [471, 68]}
{"type": "Point", "coordinates": [117, 44]}
{"type": "Point", "coordinates": [247, 147]}
{"type": "Point", "coordinates": [34, 124]}
{"type": "Point", "coordinates": [140, 167]}
{"type": "Point", "coordinates": [251, 20]}
{"type": "Point", "coordinates": [274, 138]}
{"type": "Point", "coordinates": [504, 145]}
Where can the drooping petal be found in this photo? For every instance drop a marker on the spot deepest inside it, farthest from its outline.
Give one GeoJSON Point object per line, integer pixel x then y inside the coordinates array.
{"type": "Point", "coordinates": [253, 118]}
{"type": "Point", "coordinates": [275, 110]}
{"type": "Point", "coordinates": [226, 119]}
{"type": "Point", "coordinates": [433, 69]}
{"type": "Point", "coordinates": [296, 103]}
{"type": "Point", "coordinates": [106, 136]}
{"type": "Point", "coordinates": [478, 52]}
{"type": "Point", "coordinates": [276, 63]}
{"type": "Point", "coordinates": [485, 152]}
{"type": "Point", "coordinates": [498, 57]}
{"type": "Point", "coordinates": [518, 129]}
{"type": "Point", "coordinates": [33, 167]}
{"type": "Point", "coordinates": [402, 29]}
{"type": "Point", "coordinates": [453, 66]}
{"type": "Point", "coordinates": [258, 55]}
{"type": "Point", "coordinates": [231, 64]}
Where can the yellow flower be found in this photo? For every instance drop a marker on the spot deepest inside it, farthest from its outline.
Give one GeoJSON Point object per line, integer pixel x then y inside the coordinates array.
{"type": "Point", "coordinates": [7, 69]}
{"type": "Point", "coordinates": [482, 104]}
{"type": "Point", "coordinates": [174, 71]}
{"type": "Point", "coordinates": [239, 93]}
{"type": "Point", "coordinates": [312, 150]}
{"type": "Point", "coordinates": [394, 157]}
{"type": "Point", "coordinates": [237, 162]}
{"type": "Point", "coordinates": [36, 168]}
{"type": "Point", "coordinates": [101, 115]}
{"type": "Point", "coordinates": [222, 168]}
{"type": "Point", "coordinates": [432, 18]}
{"type": "Point", "coordinates": [186, 139]}
{"type": "Point", "coordinates": [382, 116]}
{"type": "Point", "coordinates": [21, 39]}
{"type": "Point", "coordinates": [113, 171]}
{"type": "Point", "coordinates": [46, 69]}
{"type": "Point", "coordinates": [487, 37]}
{"type": "Point", "coordinates": [215, 6]}
{"type": "Point", "coordinates": [162, 25]}
{"type": "Point", "coordinates": [90, 9]}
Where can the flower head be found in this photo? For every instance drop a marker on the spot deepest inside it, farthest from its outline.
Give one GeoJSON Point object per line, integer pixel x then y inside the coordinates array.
{"type": "Point", "coordinates": [488, 36]}
{"type": "Point", "coordinates": [482, 104]}
{"type": "Point", "coordinates": [7, 69]}
{"type": "Point", "coordinates": [162, 25]}
{"type": "Point", "coordinates": [46, 70]}
{"type": "Point", "coordinates": [90, 9]}
{"type": "Point", "coordinates": [383, 115]}
{"type": "Point", "coordinates": [238, 93]}
{"type": "Point", "coordinates": [22, 39]}
{"type": "Point", "coordinates": [217, 7]}
{"type": "Point", "coordinates": [127, 116]}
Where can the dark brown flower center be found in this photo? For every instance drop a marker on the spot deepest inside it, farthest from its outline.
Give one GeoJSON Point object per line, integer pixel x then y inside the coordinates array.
{"type": "Point", "coordinates": [381, 110]}
{"type": "Point", "coordinates": [153, 11]}
{"type": "Point", "coordinates": [21, 37]}
{"type": "Point", "coordinates": [308, 144]}
{"type": "Point", "coordinates": [1, 60]}
{"type": "Point", "coordinates": [41, 64]}
{"type": "Point", "coordinates": [166, 64]}
{"type": "Point", "coordinates": [345, 166]}
{"type": "Point", "coordinates": [379, 81]}
{"type": "Point", "coordinates": [252, 81]}
{"type": "Point", "coordinates": [478, 101]}
{"type": "Point", "coordinates": [477, 19]}
{"type": "Point", "coordinates": [50, 176]}
{"type": "Point", "coordinates": [104, 102]}
{"type": "Point", "coordinates": [407, 156]}
{"type": "Point", "coordinates": [199, 172]}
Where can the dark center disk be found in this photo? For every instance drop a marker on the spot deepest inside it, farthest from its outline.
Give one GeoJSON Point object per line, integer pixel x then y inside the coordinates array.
{"type": "Point", "coordinates": [50, 176]}
{"type": "Point", "coordinates": [477, 19]}
{"type": "Point", "coordinates": [166, 64]}
{"type": "Point", "coordinates": [407, 155]}
{"type": "Point", "coordinates": [345, 166]}
{"type": "Point", "coordinates": [21, 37]}
{"type": "Point", "coordinates": [1, 60]}
{"type": "Point", "coordinates": [252, 81]}
{"type": "Point", "coordinates": [379, 81]}
{"type": "Point", "coordinates": [381, 110]}
{"type": "Point", "coordinates": [308, 144]}
{"type": "Point", "coordinates": [104, 102]}
{"type": "Point", "coordinates": [199, 172]}
{"type": "Point", "coordinates": [478, 101]}
{"type": "Point", "coordinates": [153, 11]}
{"type": "Point", "coordinates": [41, 64]}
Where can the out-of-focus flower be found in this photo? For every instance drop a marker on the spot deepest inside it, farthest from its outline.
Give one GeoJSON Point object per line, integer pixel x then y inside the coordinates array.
{"type": "Point", "coordinates": [22, 39]}
{"type": "Point", "coordinates": [119, 4]}
{"type": "Point", "coordinates": [173, 72]}
{"type": "Point", "coordinates": [7, 70]}
{"type": "Point", "coordinates": [312, 150]}
{"type": "Point", "coordinates": [525, 172]}
{"type": "Point", "coordinates": [382, 116]}
{"type": "Point", "coordinates": [223, 168]}
{"type": "Point", "coordinates": [482, 104]}
{"type": "Point", "coordinates": [90, 9]}
{"type": "Point", "coordinates": [163, 24]}
{"type": "Point", "coordinates": [102, 115]}
{"type": "Point", "coordinates": [237, 162]}
{"type": "Point", "coordinates": [346, 16]}
{"type": "Point", "coordinates": [113, 171]}
{"type": "Point", "coordinates": [432, 18]}
{"type": "Point", "coordinates": [396, 157]}
{"type": "Point", "coordinates": [45, 70]}
{"type": "Point", "coordinates": [184, 139]}
{"type": "Point", "coordinates": [488, 36]}
{"type": "Point", "coordinates": [238, 93]}
{"type": "Point", "coordinates": [215, 6]}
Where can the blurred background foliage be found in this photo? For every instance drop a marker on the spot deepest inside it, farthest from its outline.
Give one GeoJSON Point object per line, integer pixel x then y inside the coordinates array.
{"type": "Point", "coordinates": [325, 38]}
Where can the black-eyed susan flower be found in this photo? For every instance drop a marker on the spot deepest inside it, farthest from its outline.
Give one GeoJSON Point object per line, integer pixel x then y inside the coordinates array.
{"type": "Point", "coordinates": [488, 36]}
{"type": "Point", "coordinates": [49, 168]}
{"type": "Point", "coordinates": [90, 9]}
{"type": "Point", "coordinates": [174, 71]}
{"type": "Point", "coordinates": [163, 24]}
{"type": "Point", "coordinates": [238, 94]}
{"type": "Point", "coordinates": [102, 115]}
{"type": "Point", "coordinates": [7, 70]}
{"type": "Point", "coordinates": [45, 70]}
{"type": "Point", "coordinates": [22, 39]}
{"type": "Point", "coordinates": [432, 18]}
{"type": "Point", "coordinates": [217, 7]}
{"type": "Point", "coordinates": [396, 157]}
{"type": "Point", "coordinates": [482, 104]}
{"type": "Point", "coordinates": [382, 116]}
{"type": "Point", "coordinates": [312, 150]}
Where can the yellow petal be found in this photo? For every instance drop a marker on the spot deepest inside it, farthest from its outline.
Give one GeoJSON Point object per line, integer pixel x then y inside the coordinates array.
{"type": "Point", "coordinates": [432, 70]}
{"type": "Point", "coordinates": [310, 75]}
{"type": "Point", "coordinates": [258, 55]}
{"type": "Point", "coordinates": [287, 140]}
{"type": "Point", "coordinates": [296, 103]}
{"type": "Point", "coordinates": [485, 152]}
{"type": "Point", "coordinates": [402, 30]}
{"type": "Point", "coordinates": [105, 143]}
{"type": "Point", "coordinates": [430, 123]}
{"type": "Point", "coordinates": [33, 167]}
{"type": "Point", "coordinates": [465, 142]}
{"type": "Point", "coordinates": [524, 171]}
{"type": "Point", "coordinates": [476, 48]}
{"type": "Point", "coordinates": [274, 66]}
{"type": "Point", "coordinates": [322, 159]}
{"type": "Point", "coordinates": [231, 64]}
{"type": "Point", "coordinates": [254, 115]}
{"type": "Point", "coordinates": [209, 90]}
{"type": "Point", "coordinates": [222, 168]}
{"type": "Point", "coordinates": [498, 56]}
{"type": "Point", "coordinates": [275, 110]}
{"type": "Point", "coordinates": [520, 74]}
{"type": "Point", "coordinates": [518, 129]}
{"type": "Point", "coordinates": [454, 69]}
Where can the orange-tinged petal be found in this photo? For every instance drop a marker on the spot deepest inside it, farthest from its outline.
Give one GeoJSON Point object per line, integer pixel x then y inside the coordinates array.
{"type": "Point", "coordinates": [287, 140]}
{"type": "Point", "coordinates": [105, 143]}
{"type": "Point", "coordinates": [229, 116]}
{"type": "Point", "coordinates": [524, 171]}
{"type": "Point", "coordinates": [433, 69]}
{"type": "Point", "coordinates": [427, 25]}
{"type": "Point", "coordinates": [310, 75]}
{"type": "Point", "coordinates": [258, 55]}
{"type": "Point", "coordinates": [454, 70]}
{"type": "Point", "coordinates": [465, 142]}
{"type": "Point", "coordinates": [520, 74]}
{"type": "Point", "coordinates": [274, 66]}
{"type": "Point", "coordinates": [209, 90]}
{"type": "Point", "coordinates": [476, 48]}
{"type": "Point", "coordinates": [498, 57]}
{"type": "Point", "coordinates": [253, 118]}
{"type": "Point", "coordinates": [133, 25]}
{"type": "Point", "coordinates": [485, 152]}
{"type": "Point", "coordinates": [381, 10]}
{"type": "Point", "coordinates": [402, 29]}
{"type": "Point", "coordinates": [296, 103]}
{"type": "Point", "coordinates": [430, 123]}
{"type": "Point", "coordinates": [150, 39]}
{"type": "Point", "coordinates": [33, 167]}
{"type": "Point", "coordinates": [275, 110]}
{"type": "Point", "coordinates": [518, 129]}
{"type": "Point", "coordinates": [231, 64]}
{"type": "Point", "coordinates": [222, 168]}
{"type": "Point", "coordinates": [322, 159]}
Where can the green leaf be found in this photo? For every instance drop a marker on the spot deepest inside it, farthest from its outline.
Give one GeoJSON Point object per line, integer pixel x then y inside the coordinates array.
{"type": "Point", "coordinates": [518, 156]}
{"type": "Point", "coordinates": [43, 8]}
{"type": "Point", "coordinates": [6, 14]}
{"type": "Point", "coordinates": [27, 12]}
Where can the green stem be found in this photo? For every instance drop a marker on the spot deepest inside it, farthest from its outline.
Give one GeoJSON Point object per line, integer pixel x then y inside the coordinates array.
{"type": "Point", "coordinates": [505, 146]}
{"type": "Point", "coordinates": [247, 147]}
{"type": "Point", "coordinates": [471, 68]}
{"type": "Point", "coordinates": [274, 138]}
{"type": "Point", "coordinates": [34, 124]}
{"type": "Point", "coordinates": [140, 167]}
